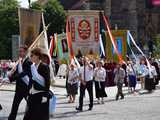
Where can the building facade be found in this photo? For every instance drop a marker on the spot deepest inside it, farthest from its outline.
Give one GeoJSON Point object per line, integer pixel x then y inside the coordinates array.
{"type": "Point", "coordinates": [139, 16]}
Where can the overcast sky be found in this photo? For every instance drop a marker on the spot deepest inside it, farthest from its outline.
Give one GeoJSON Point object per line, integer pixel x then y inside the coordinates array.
{"type": "Point", "coordinates": [24, 3]}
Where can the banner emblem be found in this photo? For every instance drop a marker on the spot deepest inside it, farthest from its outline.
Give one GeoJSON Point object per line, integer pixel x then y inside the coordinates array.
{"type": "Point", "coordinates": [84, 29]}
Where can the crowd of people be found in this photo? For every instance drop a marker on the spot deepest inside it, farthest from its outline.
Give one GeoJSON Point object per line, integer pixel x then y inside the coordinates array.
{"type": "Point", "coordinates": [103, 74]}
{"type": "Point", "coordinates": [32, 76]}
{"type": "Point", "coordinates": [5, 66]}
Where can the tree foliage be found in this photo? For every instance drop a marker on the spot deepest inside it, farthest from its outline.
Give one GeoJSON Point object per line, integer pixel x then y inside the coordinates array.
{"type": "Point", "coordinates": [8, 26]}
{"type": "Point", "coordinates": [157, 46]}
{"type": "Point", "coordinates": [54, 15]}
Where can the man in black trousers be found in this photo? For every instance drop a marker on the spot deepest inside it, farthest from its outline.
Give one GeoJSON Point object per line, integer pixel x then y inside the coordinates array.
{"type": "Point", "coordinates": [21, 73]}
{"type": "Point", "coordinates": [86, 78]}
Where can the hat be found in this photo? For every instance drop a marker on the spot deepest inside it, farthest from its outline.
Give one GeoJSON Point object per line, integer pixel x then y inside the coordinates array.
{"type": "Point", "coordinates": [45, 55]}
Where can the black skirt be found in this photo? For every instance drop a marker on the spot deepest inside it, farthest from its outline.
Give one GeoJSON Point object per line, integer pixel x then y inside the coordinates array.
{"type": "Point", "coordinates": [72, 89]}
{"type": "Point", "coordinates": [149, 83]}
{"type": "Point", "coordinates": [100, 89]}
{"type": "Point", "coordinates": [36, 108]}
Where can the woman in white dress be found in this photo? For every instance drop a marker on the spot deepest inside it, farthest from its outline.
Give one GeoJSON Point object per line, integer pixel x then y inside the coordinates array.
{"type": "Point", "coordinates": [100, 75]}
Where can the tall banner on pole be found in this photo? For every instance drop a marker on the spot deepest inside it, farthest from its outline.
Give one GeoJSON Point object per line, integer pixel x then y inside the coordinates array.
{"type": "Point", "coordinates": [29, 22]}
{"type": "Point", "coordinates": [84, 28]}
{"type": "Point", "coordinates": [121, 40]}
{"type": "Point", "coordinates": [63, 50]}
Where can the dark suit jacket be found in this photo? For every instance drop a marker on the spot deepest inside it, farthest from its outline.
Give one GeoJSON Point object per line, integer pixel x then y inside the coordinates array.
{"type": "Point", "coordinates": [44, 71]}
{"type": "Point", "coordinates": [21, 86]}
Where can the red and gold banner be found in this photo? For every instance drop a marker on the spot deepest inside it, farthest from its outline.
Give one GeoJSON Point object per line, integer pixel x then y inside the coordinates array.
{"type": "Point", "coordinates": [29, 21]}
{"type": "Point", "coordinates": [84, 27]}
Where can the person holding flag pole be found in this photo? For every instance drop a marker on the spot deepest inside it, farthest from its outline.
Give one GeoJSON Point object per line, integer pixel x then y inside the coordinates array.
{"type": "Point", "coordinates": [21, 72]}
{"type": "Point", "coordinates": [86, 79]}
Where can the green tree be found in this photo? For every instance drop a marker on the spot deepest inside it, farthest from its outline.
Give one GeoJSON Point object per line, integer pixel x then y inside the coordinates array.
{"type": "Point", "coordinates": [54, 15]}
{"type": "Point", "coordinates": [157, 46]}
{"type": "Point", "coordinates": [8, 26]}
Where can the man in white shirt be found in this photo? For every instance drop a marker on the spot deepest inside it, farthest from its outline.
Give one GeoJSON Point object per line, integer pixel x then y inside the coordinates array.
{"type": "Point", "coordinates": [86, 78]}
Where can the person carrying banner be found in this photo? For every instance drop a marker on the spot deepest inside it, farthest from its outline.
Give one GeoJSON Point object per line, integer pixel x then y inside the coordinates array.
{"type": "Point", "coordinates": [86, 78]}
{"type": "Point", "coordinates": [38, 101]}
{"type": "Point", "coordinates": [45, 58]}
{"type": "Point", "coordinates": [21, 73]}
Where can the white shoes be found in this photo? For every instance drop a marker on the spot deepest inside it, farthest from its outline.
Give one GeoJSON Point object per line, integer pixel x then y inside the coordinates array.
{"type": "Point", "coordinates": [99, 102]}
{"type": "Point", "coordinates": [102, 102]}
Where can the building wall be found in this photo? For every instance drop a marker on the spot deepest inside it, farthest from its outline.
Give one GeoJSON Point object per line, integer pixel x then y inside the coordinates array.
{"type": "Point", "coordinates": [138, 16]}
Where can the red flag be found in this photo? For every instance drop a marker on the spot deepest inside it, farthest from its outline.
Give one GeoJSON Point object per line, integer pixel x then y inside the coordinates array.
{"type": "Point", "coordinates": [68, 34]}
{"type": "Point", "coordinates": [52, 46]}
{"type": "Point", "coordinates": [113, 40]}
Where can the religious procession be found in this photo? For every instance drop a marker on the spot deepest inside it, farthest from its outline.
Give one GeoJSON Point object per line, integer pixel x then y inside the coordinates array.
{"type": "Point", "coordinates": [86, 53]}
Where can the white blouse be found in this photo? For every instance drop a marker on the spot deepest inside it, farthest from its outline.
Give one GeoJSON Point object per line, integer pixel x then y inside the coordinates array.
{"type": "Point", "coordinates": [100, 74]}
{"type": "Point", "coordinates": [131, 70]}
{"type": "Point", "coordinates": [88, 73]}
{"type": "Point", "coordinates": [72, 76]}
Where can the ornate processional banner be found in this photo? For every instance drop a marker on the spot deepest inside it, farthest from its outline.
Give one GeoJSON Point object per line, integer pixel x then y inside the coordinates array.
{"type": "Point", "coordinates": [121, 39]}
{"type": "Point", "coordinates": [29, 21]}
{"type": "Point", "coordinates": [63, 50]}
{"type": "Point", "coordinates": [84, 28]}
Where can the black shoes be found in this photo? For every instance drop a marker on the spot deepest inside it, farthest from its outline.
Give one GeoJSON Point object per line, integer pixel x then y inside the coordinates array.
{"type": "Point", "coordinates": [122, 97]}
{"type": "Point", "coordinates": [90, 108]}
{"type": "Point", "coordinates": [0, 107]}
{"type": "Point", "coordinates": [79, 109]}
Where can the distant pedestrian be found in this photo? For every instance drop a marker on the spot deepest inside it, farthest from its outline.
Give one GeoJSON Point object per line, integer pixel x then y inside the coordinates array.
{"type": "Point", "coordinates": [132, 78]}
{"type": "Point", "coordinates": [142, 72]}
{"type": "Point", "coordinates": [72, 82]}
{"type": "Point", "coordinates": [100, 75]}
{"type": "Point", "coordinates": [109, 67]}
{"type": "Point", "coordinates": [150, 78]}
{"type": "Point", "coordinates": [4, 66]}
{"type": "Point", "coordinates": [155, 64]}
{"type": "Point", "coordinates": [119, 80]}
